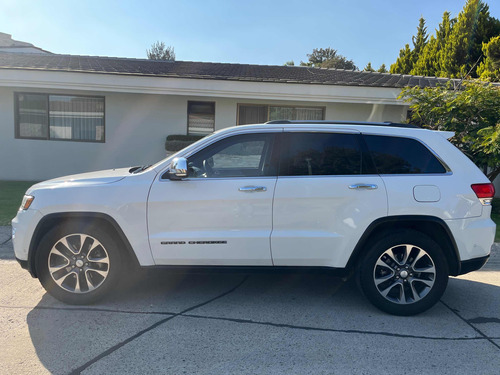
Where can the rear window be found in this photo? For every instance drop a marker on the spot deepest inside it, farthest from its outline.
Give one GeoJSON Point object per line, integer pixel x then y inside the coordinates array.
{"type": "Point", "coordinates": [397, 155]}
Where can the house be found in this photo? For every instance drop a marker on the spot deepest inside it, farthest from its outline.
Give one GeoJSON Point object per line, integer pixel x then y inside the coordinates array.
{"type": "Point", "coordinates": [7, 44]}
{"type": "Point", "coordinates": [65, 114]}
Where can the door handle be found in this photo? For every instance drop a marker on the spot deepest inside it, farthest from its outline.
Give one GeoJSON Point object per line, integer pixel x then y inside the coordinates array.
{"type": "Point", "coordinates": [363, 186]}
{"type": "Point", "coordinates": [252, 189]}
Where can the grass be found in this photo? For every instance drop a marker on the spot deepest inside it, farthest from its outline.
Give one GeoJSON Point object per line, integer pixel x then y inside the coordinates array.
{"type": "Point", "coordinates": [11, 195]}
{"type": "Point", "coordinates": [496, 219]}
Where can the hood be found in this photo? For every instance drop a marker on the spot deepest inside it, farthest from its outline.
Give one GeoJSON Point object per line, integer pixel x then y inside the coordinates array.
{"type": "Point", "coordinates": [92, 178]}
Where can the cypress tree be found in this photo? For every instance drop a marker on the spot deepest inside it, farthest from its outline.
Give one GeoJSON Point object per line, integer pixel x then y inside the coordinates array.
{"type": "Point", "coordinates": [489, 70]}
{"type": "Point", "coordinates": [404, 63]}
{"type": "Point", "coordinates": [420, 40]}
{"type": "Point", "coordinates": [408, 57]}
{"type": "Point", "coordinates": [458, 57]}
{"type": "Point", "coordinates": [382, 69]}
{"type": "Point", "coordinates": [428, 63]}
{"type": "Point", "coordinates": [368, 67]}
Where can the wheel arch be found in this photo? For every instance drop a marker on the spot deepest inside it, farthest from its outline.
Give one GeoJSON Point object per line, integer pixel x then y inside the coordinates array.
{"type": "Point", "coordinates": [95, 218]}
{"type": "Point", "coordinates": [432, 226]}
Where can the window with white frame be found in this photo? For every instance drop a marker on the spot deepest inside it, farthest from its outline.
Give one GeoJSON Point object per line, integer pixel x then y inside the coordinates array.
{"type": "Point", "coordinates": [59, 117]}
{"type": "Point", "coordinates": [257, 113]}
{"type": "Point", "coordinates": [201, 118]}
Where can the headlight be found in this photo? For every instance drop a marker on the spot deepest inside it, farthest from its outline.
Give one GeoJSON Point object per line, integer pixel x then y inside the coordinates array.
{"type": "Point", "coordinates": [26, 203]}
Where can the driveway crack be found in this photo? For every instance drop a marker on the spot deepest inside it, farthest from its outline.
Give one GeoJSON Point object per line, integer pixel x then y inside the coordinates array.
{"type": "Point", "coordinates": [346, 331]}
{"type": "Point", "coordinates": [151, 327]}
{"type": "Point", "coordinates": [4, 242]}
{"type": "Point", "coordinates": [471, 325]}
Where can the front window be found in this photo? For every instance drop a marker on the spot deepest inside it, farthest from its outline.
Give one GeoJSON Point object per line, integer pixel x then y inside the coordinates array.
{"type": "Point", "coordinates": [62, 117]}
{"type": "Point", "coordinates": [246, 155]}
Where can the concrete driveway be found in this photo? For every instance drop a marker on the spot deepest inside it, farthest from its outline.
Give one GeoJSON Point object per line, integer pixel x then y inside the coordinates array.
{"type": "Point", "coordinates": [245, 324]}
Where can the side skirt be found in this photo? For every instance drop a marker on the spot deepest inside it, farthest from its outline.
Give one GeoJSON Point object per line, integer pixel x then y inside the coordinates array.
{"type": "Point", "coordinates": [338, 272]}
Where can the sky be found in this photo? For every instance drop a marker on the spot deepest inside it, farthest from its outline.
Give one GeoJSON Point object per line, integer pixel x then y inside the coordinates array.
{"type": "Point", "coordinates": [247, 32]}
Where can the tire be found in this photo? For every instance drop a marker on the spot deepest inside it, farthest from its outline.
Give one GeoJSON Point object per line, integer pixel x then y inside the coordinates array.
{"type": "Point", "coordinates": [404, 273]}
{"type": "Point", "coordinates": [78, 263]}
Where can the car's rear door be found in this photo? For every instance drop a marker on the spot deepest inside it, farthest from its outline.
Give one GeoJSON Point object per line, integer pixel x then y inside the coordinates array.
{"type": "Point", "coordinates": [326, 195]}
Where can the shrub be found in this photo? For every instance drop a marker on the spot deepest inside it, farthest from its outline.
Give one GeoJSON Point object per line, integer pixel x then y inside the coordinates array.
{"type": "Point", "coordinates": [495, 209]}
{"type": "Point", "coordinates": [184, 137]}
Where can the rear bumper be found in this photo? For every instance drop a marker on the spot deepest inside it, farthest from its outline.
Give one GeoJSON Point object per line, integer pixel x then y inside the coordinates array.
{"type": "Point", "coordinates": [470, 265]}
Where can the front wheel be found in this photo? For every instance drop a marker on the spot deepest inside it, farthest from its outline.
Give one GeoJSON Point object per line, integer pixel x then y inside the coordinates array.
{"type": "Point", "coordinates": [404, 273]}
{"type": "Point", "coordinates": [77, 263]}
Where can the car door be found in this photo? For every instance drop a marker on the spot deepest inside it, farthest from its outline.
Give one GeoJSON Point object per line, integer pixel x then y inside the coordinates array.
{"type": "Point", "coordinates": [326, 195]}
{"type": "Point", "coordinates": [221, 214]}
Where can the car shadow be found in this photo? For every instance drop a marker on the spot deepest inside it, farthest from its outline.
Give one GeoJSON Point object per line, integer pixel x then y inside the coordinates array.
{"type": "Point", "coordinates": [66, 337]}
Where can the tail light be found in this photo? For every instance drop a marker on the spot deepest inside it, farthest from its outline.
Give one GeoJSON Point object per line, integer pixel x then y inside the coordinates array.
{"type": "Point", "coordinates": [485, 193]}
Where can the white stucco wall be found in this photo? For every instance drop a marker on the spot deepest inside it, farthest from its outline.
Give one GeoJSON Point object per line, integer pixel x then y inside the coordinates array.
{"type": "Point", "coordinates": [136, 126]}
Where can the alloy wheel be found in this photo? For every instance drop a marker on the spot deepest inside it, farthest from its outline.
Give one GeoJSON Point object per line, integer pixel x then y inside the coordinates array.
{"type": "Point", "coordinates": [78, 263]}
{"type": "Point", "coordinates": [404, 274]}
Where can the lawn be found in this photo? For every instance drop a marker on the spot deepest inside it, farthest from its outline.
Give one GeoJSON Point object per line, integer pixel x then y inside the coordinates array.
{"type": "Point", "coordinates": [496, 219]}
{"type": "Point", "coordinates": [11, 195]}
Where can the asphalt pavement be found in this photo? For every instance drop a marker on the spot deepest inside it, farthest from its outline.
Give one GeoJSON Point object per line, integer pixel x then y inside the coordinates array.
{"type": "Point", "coordinates": [245, 324]}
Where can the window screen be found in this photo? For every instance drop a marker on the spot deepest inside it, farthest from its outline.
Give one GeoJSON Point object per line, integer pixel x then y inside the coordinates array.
{"type": "Point", "coordinates": [295, 113]}
{"type": "Point", "coordinates": [201, 118]}
{"type": "Point", "coordinates": [252, 114]}
{"type": "Point", "coordinates": [256, 114]}
{"type": "Point", "coordinates": [397, 155]}
{"type": "Point", "coordinates": [311, 154]}
{"type": "Point", "coordinates": [32, 116]}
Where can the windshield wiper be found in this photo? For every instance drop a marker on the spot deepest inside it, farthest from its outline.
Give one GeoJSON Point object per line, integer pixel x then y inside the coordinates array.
{"type": "Point", "coordinates": [138, 169]}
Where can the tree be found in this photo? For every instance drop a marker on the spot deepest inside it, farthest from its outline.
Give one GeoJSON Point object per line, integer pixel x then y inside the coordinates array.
{"type": "Point", "coordinates": [428, 63]}
{"type": "Point", "coordinates": [472, 111]}
{"type": "Point", "coordinates": [158, 51]}
{"type": "Point", "coordinates": [368, 67]}
{"type": "Point", "coordinates": [382, 69]}
{"type": "Point", "coordinates": [289, 63]}
{"type": "Point", "coordinates": [489, 69]}
{"type": "Point", "coordinates": [407, 56]}
{"type": "Point", "coordinates": [420, 40]}
{"type": "Point", "coordinates": [455, 51]}
{"type": "Point", "coordinates": [328, 58]}
{"type": "Point", "coordinates": [404, 63]}
{"type": "Point", "coordinates": [462, 53]}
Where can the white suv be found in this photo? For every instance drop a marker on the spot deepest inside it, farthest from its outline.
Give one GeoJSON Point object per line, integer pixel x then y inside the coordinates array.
{"type": "Point", "coordinates": [398, 206]}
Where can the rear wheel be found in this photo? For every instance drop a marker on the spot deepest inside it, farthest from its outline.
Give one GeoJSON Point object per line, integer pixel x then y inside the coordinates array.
{"type": "Point", "coordinates": [78, 263]}
{"type": "Point", "coordinates": [404, 273]}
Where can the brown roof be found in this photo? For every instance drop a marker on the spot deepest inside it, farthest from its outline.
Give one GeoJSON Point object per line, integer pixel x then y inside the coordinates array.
{"type": "Point", "coordinates": [216, 71]}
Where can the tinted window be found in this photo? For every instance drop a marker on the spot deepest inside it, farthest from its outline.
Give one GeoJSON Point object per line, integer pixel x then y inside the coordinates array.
{"type": "Point", "coordinates": [322, 154]}
{"type": "Point", "coordinates": [239, 156]}
{"type": "Point", "coordinates": [396, 155]}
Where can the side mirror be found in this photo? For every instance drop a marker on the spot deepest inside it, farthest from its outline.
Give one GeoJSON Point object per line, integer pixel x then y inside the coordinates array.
{"type": "Point", "coordinates": [178, 169]}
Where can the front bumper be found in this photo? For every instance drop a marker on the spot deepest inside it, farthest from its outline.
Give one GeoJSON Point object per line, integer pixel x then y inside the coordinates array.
{"type": "Point", "coordinates": [470, 265]}
{"type": "Point", "coordinates": [23, 228]}
{"type": "Point", "coordinates": [22, 263]}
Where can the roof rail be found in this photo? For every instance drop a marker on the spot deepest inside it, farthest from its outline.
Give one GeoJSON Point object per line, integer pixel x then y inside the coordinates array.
{"type": "Point", "coordinates": [387, 123]}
